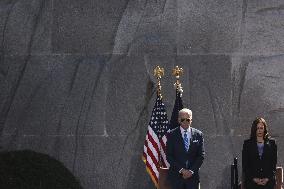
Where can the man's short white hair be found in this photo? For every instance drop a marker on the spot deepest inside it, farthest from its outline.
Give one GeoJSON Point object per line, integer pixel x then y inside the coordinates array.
{"type": "Point", "coordinates": [185, 110]}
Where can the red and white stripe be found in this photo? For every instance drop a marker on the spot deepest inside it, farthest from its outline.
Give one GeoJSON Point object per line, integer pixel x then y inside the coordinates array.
{"type": "Point", "coordinates": [154, 149]}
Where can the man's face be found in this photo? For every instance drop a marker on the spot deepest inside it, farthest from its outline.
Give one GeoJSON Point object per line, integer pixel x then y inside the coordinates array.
{"type": "Point", "coordinates": [260, 130]}
{"type": "Point", "coordinates": [185, 120]}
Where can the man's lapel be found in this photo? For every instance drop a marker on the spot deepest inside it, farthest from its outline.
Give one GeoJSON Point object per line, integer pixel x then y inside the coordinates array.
{"type": "Point", "coordinates": [180, 140]}
{"type": "Point", "coordinates": [191, 139]}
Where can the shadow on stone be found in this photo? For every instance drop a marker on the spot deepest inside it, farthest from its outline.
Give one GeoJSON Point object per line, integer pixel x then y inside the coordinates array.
{"type": "Point", "coordinates": [31, 170]}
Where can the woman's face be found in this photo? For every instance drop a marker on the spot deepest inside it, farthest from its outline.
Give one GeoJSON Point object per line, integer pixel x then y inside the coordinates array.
{"type": "Point", "coordinates": [260, 130]}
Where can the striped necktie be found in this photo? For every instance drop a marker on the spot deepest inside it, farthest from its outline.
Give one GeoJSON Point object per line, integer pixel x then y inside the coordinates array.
{"type": "Point", "coordinates": [185, 140]}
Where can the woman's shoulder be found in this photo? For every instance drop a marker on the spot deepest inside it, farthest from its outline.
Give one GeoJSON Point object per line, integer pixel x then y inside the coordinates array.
{"type": "Point", "coordinates": [248, 141]}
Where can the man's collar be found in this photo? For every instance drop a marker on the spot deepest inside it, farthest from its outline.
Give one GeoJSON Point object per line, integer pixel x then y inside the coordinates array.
{"type": "Point", "coordinates": [182, 129]}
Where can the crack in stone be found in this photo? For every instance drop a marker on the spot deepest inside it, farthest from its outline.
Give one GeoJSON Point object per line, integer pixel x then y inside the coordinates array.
{"type": "Point", "coordinates": [278, 110]}
{"type": "Point", "coordinates": [270, 9]}
{"type": "Point", "coordinates": [3, 35]}
{"type": "Point", "coordinates": [77, 131]}
{"type": "Point", "coordinates": [5, 111]}
{"type": "Point", "coordinates": [132, 131]}
{"type": "Point", "coordinates": [243, 24]}
{"type": "Point", "coordinates": [118, 46]}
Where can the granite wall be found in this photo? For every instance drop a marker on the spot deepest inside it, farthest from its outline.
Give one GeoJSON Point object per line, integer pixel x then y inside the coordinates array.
{"type": "Point", "coordinates": [76, 80]}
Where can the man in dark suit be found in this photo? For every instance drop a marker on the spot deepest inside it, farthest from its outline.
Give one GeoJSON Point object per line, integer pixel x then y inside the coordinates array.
{"type": "Point", "coordinates": [185, 153]}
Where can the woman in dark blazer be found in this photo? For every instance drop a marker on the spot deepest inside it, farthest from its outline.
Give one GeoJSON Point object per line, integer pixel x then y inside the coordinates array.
{"type": "Point", "coordinates": [259, 157]}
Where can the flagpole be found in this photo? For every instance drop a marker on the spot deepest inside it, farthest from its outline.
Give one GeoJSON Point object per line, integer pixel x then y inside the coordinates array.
{"type": "Point", "coordinates": [158, 73]}
{"type": "Point", "coordinates": [177, 72]}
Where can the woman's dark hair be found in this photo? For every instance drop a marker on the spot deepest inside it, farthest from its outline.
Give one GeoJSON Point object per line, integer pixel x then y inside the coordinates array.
{"type": "Point", "coordinates": [254, 128]}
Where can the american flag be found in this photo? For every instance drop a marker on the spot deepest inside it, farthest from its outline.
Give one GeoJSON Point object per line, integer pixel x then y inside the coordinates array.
{"type": "Point", "coordinates": [154, 154]}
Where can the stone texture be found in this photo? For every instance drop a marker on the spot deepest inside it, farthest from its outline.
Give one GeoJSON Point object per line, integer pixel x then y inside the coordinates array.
{"type": "Point", "coordinates": [209, 26]}
{"type": "Point", "coordinates": [76, 80]}
{"type": "Point", "coordinates": [263, 27]}
{"type": "Point", "coordinates": [85, 27]}
{"type": "Point", "coordinates": [261, 92]}
{"type": "Point", "coordinates": [26, 27]}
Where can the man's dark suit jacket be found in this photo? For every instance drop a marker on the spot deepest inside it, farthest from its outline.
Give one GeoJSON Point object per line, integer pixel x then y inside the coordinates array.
{"type": "Point", "coordinates": [256, 167]}
{"type": "Point", "coordinates": [179, 158]}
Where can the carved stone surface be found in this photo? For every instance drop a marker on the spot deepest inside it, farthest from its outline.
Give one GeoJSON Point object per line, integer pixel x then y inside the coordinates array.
{"type": "Point", "coordinates": [76, 80]}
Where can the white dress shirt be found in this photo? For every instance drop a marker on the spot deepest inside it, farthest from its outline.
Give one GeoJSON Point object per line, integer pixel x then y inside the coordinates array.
{"type": "Point", "coordinates": [188, 133]}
